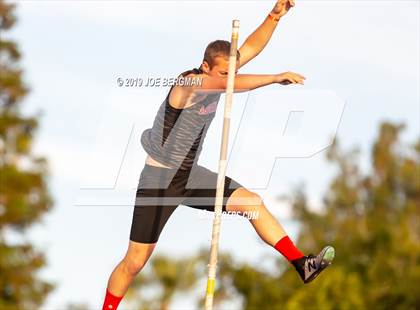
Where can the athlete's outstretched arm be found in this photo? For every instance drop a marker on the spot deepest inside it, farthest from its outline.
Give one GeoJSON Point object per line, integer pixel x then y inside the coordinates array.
{"type": "Point", "coordinates": [245, 82]}
{"type": "Point", "coordinates": [256, 42]}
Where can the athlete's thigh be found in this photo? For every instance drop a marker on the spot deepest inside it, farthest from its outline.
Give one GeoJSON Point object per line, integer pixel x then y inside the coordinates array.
{"type": "Point", "coordinates": [202, 186]}
{"type": "Point", "coordinates": [148, 222]}
{"type": "Point", "coordinates": [157, 197]}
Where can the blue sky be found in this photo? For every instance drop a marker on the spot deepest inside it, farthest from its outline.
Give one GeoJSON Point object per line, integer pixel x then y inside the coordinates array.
{"type": "Point", "coordinates": [361, 63]}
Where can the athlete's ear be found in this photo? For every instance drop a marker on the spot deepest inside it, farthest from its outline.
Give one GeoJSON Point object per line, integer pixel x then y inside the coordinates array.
{"type": "Point", "coordinates": [205, 67]}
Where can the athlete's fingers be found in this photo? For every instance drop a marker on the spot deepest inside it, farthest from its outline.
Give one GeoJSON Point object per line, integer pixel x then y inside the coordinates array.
{"type": "Point", "coordinates": [291, 77]}
{"type": "Point", "coordinates": [295, 79]}
{"type": "Point", "coordinates": [301, 76]}
{"type": "Point", "coordinates": [298, 81]}
{"type": "Point", "coordinates": [292, 2]}
{"type": "Point", "coordinates": [298, 76]}
{"type": "Point", "coordinates": [294, 74]}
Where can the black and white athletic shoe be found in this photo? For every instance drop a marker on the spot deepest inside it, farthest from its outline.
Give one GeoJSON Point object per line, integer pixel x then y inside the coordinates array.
{"type": "Point", "coordinates": [309, 267]}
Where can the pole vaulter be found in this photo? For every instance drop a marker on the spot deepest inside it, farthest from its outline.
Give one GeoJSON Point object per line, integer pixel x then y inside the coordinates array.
{"type": "Point", "coordinates": [171, 175]}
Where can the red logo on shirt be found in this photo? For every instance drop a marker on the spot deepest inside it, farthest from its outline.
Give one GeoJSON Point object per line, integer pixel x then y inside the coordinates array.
{"type": "Point", "coordinates": [211, 108]}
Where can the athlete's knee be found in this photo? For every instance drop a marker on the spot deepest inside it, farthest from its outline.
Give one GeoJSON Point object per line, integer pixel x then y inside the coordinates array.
{"type": "Point", "coordinates": [136, 257]}
{"type": "Point", "coordinates": [245, 201]}
{"type": "Point", "coordinates": [133, 265]}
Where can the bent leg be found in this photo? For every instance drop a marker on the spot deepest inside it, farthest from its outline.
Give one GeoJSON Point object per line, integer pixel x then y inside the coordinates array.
{"type": "Point", "coordinates": [243, 201]}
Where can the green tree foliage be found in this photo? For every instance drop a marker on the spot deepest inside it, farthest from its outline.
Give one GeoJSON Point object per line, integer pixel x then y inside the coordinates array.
{"type": "Point", "coordinates": [164, 277]}
{"type": "Point", "coordinates": [24, 197]}
{"type": "Point", "coordinates": [373, 221]}
{"type": "Point", "coordinates": [156, 286]}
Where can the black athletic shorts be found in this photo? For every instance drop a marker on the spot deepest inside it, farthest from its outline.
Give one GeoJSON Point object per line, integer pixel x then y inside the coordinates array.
{"type": "Point", "coordinates": [161, 190]}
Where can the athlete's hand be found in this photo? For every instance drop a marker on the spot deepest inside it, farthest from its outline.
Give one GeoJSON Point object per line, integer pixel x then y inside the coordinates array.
{"type": "Point", "coordinates": [287, 78]}
{"type": "Point", "coordinates": [282, 7]}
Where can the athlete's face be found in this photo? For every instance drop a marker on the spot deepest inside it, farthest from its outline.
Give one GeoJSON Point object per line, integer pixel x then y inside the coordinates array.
{"type": "Point", "coordinates": [220, 67]}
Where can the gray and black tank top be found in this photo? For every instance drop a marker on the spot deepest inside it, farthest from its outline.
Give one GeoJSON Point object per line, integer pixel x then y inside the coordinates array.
{"type": "Point", "coordinates": [177, 135]}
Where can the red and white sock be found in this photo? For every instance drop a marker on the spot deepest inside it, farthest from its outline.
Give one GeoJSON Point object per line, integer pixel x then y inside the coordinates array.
{"type": "Point", "coordinates": [286, 247]}
{"type": "Point", "coordinates": [111, 301]}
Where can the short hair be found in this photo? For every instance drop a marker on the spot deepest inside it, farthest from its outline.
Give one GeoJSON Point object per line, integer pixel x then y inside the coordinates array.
{"type": "Point", "coordinates": [218, 48]}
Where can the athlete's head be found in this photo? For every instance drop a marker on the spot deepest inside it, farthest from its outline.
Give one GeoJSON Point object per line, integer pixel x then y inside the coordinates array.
{"type": "Point", "coordinates": [216, 58]}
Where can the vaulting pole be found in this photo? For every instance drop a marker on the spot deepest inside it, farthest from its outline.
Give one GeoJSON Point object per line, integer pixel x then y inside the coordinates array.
{"type": "Point", "coordinates": [222, 168]}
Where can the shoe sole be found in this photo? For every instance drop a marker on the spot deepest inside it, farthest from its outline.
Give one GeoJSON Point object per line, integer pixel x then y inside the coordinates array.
{"type": "Point", "coordinates": [327, 255]}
